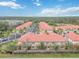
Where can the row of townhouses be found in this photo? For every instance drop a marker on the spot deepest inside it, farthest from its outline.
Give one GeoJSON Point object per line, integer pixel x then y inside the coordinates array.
{"type": "Point", "coordinates": [47, 35]}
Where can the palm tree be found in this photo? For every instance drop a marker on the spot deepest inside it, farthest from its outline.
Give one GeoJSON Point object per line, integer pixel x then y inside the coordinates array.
{"type": "Point", "coordinates": [42, 46]}
{"type": "Point", "coordinates": [69, 45]}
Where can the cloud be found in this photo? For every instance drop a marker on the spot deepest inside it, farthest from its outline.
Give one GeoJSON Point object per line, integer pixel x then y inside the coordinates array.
{"type": "Point", "coordinates": [37, 4]}
{"type": "Point", "coordinates": [59, 11]}
{"type": "Point", "coordinates": [10, 4]}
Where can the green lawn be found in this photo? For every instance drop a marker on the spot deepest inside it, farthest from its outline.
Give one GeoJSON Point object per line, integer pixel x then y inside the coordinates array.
{"type": "Point", "coordinates": [39, 55]}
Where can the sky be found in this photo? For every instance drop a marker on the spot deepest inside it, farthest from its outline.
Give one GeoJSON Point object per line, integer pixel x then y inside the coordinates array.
{"type": "Point", "coordinates": [39, 8]}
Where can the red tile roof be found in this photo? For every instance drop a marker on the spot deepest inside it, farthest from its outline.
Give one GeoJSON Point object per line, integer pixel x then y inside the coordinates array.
{"type": "Point", "coordinates": [44, 26]}
{"type": "Point", "coordinates": [68, 27]}
{"type": "Point", "coordinates": [21, 27]}
{"type": "Point", "coordinates": [73, 36]}
{"type": "Point", "coordinates": [42, 37]}
{"type": "Point", "coordinates": [27, 36]}
{"type": "Point", "coordinates": [56, 37]}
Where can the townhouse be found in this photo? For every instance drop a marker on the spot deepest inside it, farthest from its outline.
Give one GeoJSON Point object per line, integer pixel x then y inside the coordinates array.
{"type": "Point", "coordinates": [49, 39]}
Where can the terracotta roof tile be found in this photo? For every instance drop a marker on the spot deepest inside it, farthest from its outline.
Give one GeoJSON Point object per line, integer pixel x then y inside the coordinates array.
{"type": "Point", "coordinates": [68, 27]}
{"type": "Point", "coordinates": [42, 37]}
{"type": "Point", "coordinates": [21, 27]}
{"type": "Point", "coordinates": [45, 26]}
{"type": "Point", "coordinates": [73, 36]}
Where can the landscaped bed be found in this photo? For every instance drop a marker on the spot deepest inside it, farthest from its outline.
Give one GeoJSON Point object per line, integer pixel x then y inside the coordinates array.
{"type": "Point", "coordinates": [39, 55]}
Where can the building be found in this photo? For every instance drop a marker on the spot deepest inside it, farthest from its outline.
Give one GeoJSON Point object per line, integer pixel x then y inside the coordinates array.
{"type": "Point", "coordinates": [43, 26]}
{"type": "Point", "coordinates": [50, 39]}
{"type": "Point", "coordinates": [73, 37]}
{"type": "Point", "coordinates": [25, 25]}
{"type": "Point", "coordinates": [67, 28]}
{"type": "Point", "coordinates": [47, 36]}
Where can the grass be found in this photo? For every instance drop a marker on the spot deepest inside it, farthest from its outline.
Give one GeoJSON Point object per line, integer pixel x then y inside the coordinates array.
{"type": "Point", "coordinates": [39, 55]}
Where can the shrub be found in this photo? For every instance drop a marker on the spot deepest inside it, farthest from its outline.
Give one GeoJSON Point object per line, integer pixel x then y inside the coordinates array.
{"type": "Point", "coordinates": [28, 47]}
{"type": "Point", "coordinates": [11, 46]}
{"type": "Point", "coordinates": [56, 47]}
{"type": "Point", "coordinates": [42, 46]}
{"type": "Point", "coordinates": [69, 45]}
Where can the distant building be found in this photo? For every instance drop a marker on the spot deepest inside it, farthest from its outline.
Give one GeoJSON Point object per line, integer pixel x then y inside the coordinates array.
{"type": "Point", "coordinates": [43, 26]}
{"type": "Point", "coordinates": [25, 25]}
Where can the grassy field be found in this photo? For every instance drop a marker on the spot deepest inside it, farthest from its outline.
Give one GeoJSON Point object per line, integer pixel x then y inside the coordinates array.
{"type": "Point", "coordinates": [39, 55]}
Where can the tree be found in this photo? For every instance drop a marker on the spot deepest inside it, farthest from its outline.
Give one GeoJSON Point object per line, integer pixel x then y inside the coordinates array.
{"type": "Point", "coordinates": [11, 46]}
{"type": "Point", "coordinates": [56, 47]}
{"type": "Point", "coordinates": [5, 29]}
{"type": "Point", "coordinates": [42, 46]}
{"type": "Point", "coordinates": [69, 45]}
{"type": "Point", "coordinates": [59, 31]}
